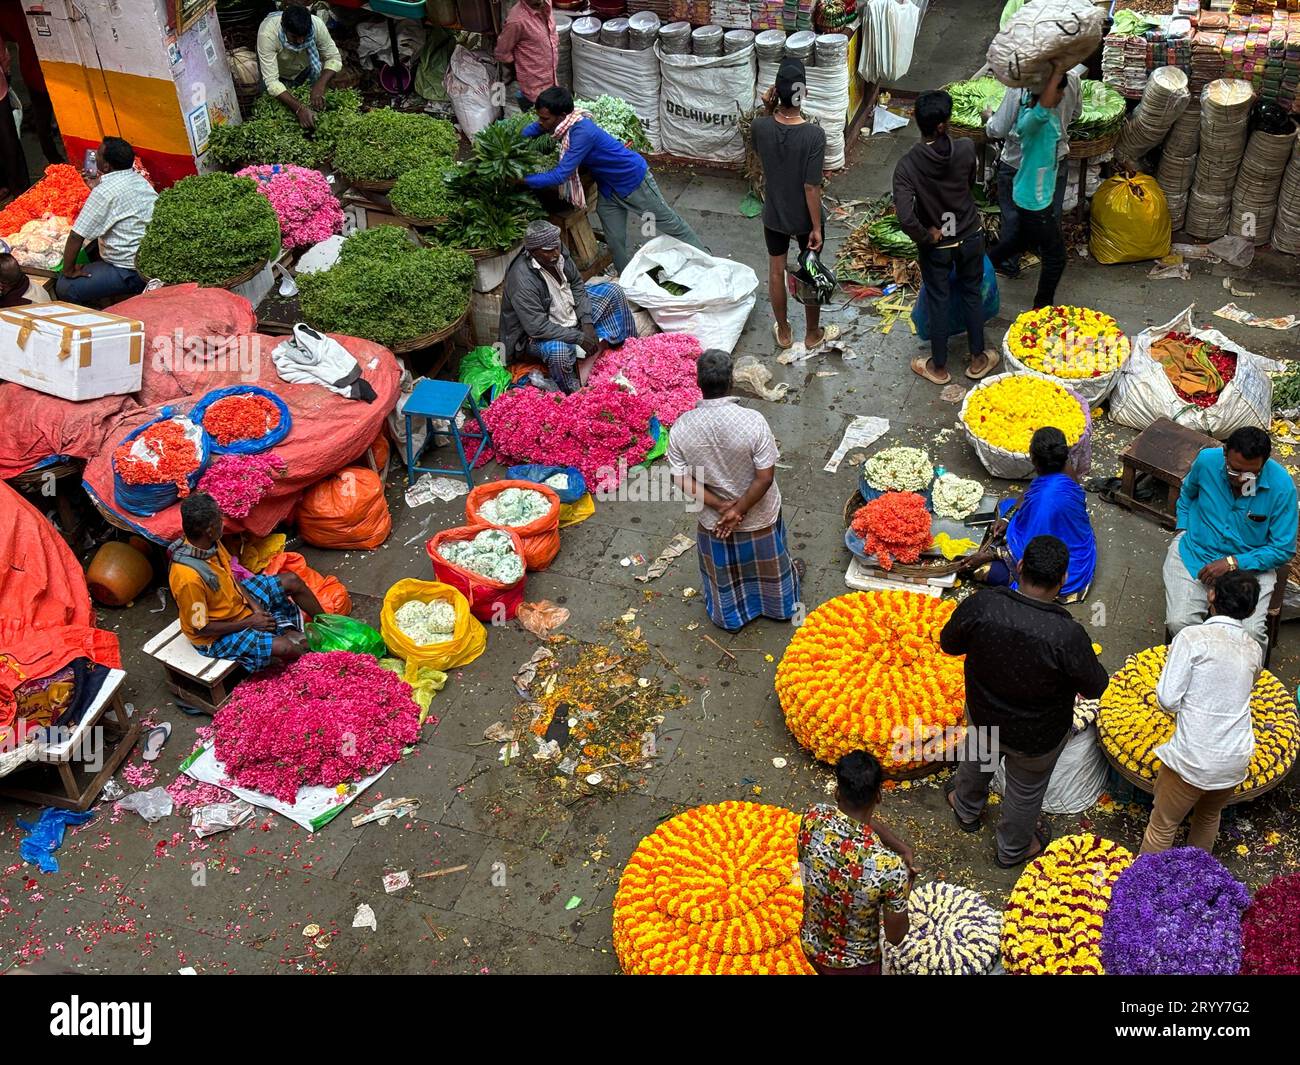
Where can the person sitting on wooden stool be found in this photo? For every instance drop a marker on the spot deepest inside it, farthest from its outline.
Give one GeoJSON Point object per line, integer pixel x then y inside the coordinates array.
{"type": "Point", "coordinates": [1237, 511]}
{"type": "Point", "coordinates": [547, 311]}
{"type": "Point", "coordinates": [253, 622]}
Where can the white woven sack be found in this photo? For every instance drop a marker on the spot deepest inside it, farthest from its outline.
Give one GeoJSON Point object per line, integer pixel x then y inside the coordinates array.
{"type": "Point", "coordinates": [626, 74]}
{"type": "Point", "coordinates": [1041, 34]}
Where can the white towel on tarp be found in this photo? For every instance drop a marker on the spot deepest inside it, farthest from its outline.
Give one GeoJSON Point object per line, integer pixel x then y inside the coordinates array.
{"type": "Point", "coordinates": [311, 358]}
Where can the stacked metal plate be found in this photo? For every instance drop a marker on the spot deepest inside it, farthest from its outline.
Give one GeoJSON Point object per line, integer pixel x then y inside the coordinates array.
{"type": "Point", "coordinates": [675, 38]}
{"type": "Point", "coordinates": [564, 59]}
{"type": "Point", "coordinates": [1286, 229]}
{"type": "Point", "coordinates": [1163, 100]}
{"type": "Point", "coordinates": [642, 30]}
{"type": "Point", "coordinates": [614, 33]}
{"type": "Point", "coordinates": [770, 45]}
{"type": "Point", "coordinates": [1225, 107]}
{"type": "Point", "coordinates": [1178, 163]}
{"type": "Point", "coordinates": [1254, 200]}
{"type": "Point", "coordinates": [737, 40]}
{"type": "Point", "coordinates": [831, 49]}
{"type": "Point", "coordinates": [707, 41]}
{"type": "Point", "coordinates": [587, 27]}
{"type": "Point", "coordinates": [800, 46]}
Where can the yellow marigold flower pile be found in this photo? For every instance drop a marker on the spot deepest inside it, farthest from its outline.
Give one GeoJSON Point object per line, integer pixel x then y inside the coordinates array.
{"type": "Point", "coordinates": [1052, 923]}
{"type": "Point", "coordinates": [713, 891]}
{"type": "Point", "coordinates": [865, 672]}
{"type": "Point", "coordinates": [1132, 725]}
{"type": "Point", "coordinates": [1009, 410]}
{"type": "Point", "coordinates": [1069, 342]}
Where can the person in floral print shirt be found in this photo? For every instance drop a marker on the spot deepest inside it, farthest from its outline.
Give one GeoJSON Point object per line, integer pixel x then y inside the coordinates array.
{"type": "Point", "coordinates": [856, 874]}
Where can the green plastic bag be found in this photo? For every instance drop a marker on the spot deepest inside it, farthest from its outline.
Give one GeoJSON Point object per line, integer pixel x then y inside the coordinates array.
{"type": "Point", "coordinates": [333, 632]}
{"type": "Point", "coordinates": [481, 369]}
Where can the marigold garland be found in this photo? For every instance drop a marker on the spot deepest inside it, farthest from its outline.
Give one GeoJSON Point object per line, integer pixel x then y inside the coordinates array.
{"type": "Point", "coordinates": [62, 192]}
{"type": "Point", "coordinates": [865, 671]}
{"type": "Point", "coordinates": [713, 891]}
{"type": "Point", "coordinates": [1132, 725]}
{"type": "Point", "coordinates": [895, 525]}
{"type": "Point", "coordinates": [177, 456]}
{"type": "Point", "coordinates": [243, 417]}
{"type": "Point", "coordinates": [1271, 930]}
{"type": "Point", "coordinates": [1068, 342]}
{"type": "Point", "coordinates": [1052, 923]}
{"type": "Point", "coordinates": [1007, 412]}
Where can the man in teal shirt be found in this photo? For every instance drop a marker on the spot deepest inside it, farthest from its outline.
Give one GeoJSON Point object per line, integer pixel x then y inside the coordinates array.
{"type": "Point", "coordinates": [1038, 126]}
{"type": "Point", "coordinates": [1237, 511]}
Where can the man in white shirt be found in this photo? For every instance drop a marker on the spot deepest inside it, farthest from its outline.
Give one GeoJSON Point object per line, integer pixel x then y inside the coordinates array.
{"type": "Point", "coordinates": [1001, 126]}
{"type": "Point", "coordinates": [1206, 686]}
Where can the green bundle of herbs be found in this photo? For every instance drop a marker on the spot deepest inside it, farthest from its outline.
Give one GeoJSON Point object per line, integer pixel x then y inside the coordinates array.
{"type": "Point", "coordinates": [274, 135]}
{"type": "Point", "coordinates": [209, 228]}
{"type": "Point", "coordinates": [887, 236]}
{"type": "Point", "coordinates": [384, 144]}
{"type": "Point", "coordinates": [423, 193]}
{"type": "Point", "coordinates": [616, 117]}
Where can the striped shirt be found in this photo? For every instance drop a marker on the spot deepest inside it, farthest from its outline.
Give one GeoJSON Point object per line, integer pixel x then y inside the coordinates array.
{"type": "Point", "coordinates": [117, 213]}
{"type": "Point", "coordinates": [724, 444]}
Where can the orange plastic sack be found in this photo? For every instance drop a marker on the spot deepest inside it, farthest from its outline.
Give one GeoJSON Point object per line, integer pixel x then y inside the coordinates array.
{"type": "Point", "coordinates": [330, 592]}
{"type": "Point", "coordinates": [379, 449]}
{"type": "Point", "coordinates": [489, 600]}
{"type": "Point", "coordinates": [346, 511]}
{"type": "Point", "coordinates": [541, 538]}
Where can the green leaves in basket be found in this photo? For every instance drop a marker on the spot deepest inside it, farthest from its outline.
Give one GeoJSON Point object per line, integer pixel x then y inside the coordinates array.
{"type": "Point", "coordinates": [209, 228]}
{"type": "Point", "coordinates": [423, 192]}
{"type": "Point", "coordinates": [274, 135]}
{"type": "Point", "coordinates": [1103, 112]}
{"type": "Point", "coordinates": [384, 144]}
{"type": "Point", "coordinates": [970, 98]}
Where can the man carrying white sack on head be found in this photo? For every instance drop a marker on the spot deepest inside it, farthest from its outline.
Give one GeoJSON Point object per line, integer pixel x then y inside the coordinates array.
{"type": "Point", "coordinates": [548, 313]}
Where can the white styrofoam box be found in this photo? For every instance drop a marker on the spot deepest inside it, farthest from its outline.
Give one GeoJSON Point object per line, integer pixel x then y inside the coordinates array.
{"type": "Point", "coordinates": [70, 351]}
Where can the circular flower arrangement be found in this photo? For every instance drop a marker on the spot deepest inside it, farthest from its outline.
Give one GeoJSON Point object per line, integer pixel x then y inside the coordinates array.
{"type": "Point", "coordinates": [1053, 920]}
{"type": "Point", "coordinates": [1068, 342]}
{"type": "Point", "coordinates": [956, 497]}
{"type": "Point", "coordinates": [1177, 913]}
{"type": "Point", "coordinates": [713, 891]}
{"type": "Point", "coordinates": [865, 671]}
{"type": "Point", "coordinates": [894, 526]}
{"type": "Point", "coordinates": [245, 417]}
{"type": "Point", "coordinates": [951, 931]}
{"type": "Point", "coordinates": [1132, 725]}
{"type": "Point", "coordinates": [899, 469]}
{"type": "Point", "coordinates": [1008, 411]}
{"type": "Point", "coordinates": [1271, 930]}
{"type": "Point", "coordinates": [165, 452]}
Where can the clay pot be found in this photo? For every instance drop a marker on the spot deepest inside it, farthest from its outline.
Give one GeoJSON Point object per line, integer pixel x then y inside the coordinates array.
{"type": "Point", "coordinates": [118, 574]}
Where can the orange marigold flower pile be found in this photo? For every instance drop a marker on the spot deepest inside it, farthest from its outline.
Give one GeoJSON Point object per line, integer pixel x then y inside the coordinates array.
{"type": "Point", "coordinates": [174, 454]}
{"type": "Point", "coordinates": [61, 192]}
{"type": "Point", "coordinates": [713, 891]}
{"type": "Point", "coordinates": [895, 525]}
{"type": "Point", "coordinates": [240, 418]}
{"type": "Point", "coordinates": [865, 672]}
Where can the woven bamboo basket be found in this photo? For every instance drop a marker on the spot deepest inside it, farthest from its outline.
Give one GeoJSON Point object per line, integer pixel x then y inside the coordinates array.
{"type": "Point", "coordinates": [926, 569]}
{"type": "Point", "coordinates": [427, 339]}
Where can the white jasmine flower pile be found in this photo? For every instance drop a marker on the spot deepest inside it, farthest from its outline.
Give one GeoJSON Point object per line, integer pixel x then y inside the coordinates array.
{"type": "Point", "coordinates": [956, 497]}
{"type": "Point", "coordinates": [426, 623]}
{"type": "Point", "coordinates": [900, 469]}
{"type": "Point", "coordinates": [490, 554]}
{"type": "Point", "coordinates": [515, 506]}
{"type": "Point", "coordinates": [558, 481]}
{"type": "Point", "coordinates": [952, 931]}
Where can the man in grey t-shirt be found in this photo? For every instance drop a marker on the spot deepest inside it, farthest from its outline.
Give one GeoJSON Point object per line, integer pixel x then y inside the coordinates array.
{"type": "Point", "coordinates": [793, 153]}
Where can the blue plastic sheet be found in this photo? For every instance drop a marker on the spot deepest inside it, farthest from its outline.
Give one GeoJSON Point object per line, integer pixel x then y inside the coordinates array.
{"type": "Point", "coordinates": [254, 445]}
{"type": "Point", "coordinates": [956, 319]}
{"type": "Point", "coordinates": [537, 474]}
{"type": "Point", "coordinates": [45, 836]}
{"type": "Point", "coordinates": [146, 500]}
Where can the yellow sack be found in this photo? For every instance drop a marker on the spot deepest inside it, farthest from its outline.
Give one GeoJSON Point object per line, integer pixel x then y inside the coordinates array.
{"type": "Point", "coordinates": [256, 552]}
{"type": "Point", "coordinates": [467, 641]}
{"type": "Point", "coordinates": [424, 685]}
{"type": "Point", "coordinates": [1130, 220]}
{"type": "Point", "coordinates": [580, 510]}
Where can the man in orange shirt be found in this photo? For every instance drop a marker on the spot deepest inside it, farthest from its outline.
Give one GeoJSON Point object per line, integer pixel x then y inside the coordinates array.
{"type": "Point", "coordinates": [529, 42]}
{"type": "Point", "coordinates": [253, 622]}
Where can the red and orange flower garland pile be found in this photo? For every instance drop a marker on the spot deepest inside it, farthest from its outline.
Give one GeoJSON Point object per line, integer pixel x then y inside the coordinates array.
{"type": "Point", "coordinates": [713, 891]}
{"type": "Point", "coordinates": [177, 457]}
{"type": "Point", "coordinates": [244, 417]}
{"type": "Point", "coordinates": [895, 525]}
{"type": "Point", "coordinates": [62, 192]}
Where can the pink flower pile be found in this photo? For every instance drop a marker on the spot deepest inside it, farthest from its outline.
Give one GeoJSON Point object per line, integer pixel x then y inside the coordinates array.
{"type": "Point", "coordinates": [327, 719]}
{"type": "Point", "coordinates": [303, 201]}
{"type": "Point", "coordinates": [238, 482]}
{"type": "Point", "coordinates": [662, 365]}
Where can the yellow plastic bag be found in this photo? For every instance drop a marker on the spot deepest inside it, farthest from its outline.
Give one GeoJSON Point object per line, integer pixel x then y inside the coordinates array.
{"type": "Point", "coordinates": [467, 641]}
{"type": "Point", "coordinates": [424, 685]}
{"type": "Point", "coordinates": [579, 510]}
{"type": "Point", "coordinates": [1130, 220]}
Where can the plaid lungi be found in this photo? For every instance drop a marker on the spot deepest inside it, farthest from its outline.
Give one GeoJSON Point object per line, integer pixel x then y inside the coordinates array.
{"type": "Point", "coordinates": [611, 318]}
{"type": "Point", "coordinates": [249, 647]}
{"type": "Point", "coordinates": [747, 575]}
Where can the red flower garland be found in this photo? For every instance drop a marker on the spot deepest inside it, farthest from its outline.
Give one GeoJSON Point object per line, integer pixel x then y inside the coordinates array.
{"type": "Point", "coordinates": [895, 526]}
{"type": "Point", "coordinates": [177, 457]}
{"type": "Point", "coordinates": [1271, 930]}
{"type": "Point", "coordinates": [240, 418]}
{"type": "Point", "coordinates": [1224, 361]}
{"type": "Point", "coordinates": [62, 192]}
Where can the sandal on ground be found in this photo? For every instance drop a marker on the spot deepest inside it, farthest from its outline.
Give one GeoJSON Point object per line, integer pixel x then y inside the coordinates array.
{"type": "Point", "coordinates": [1043, 835]}
{"type": "Point", "coordinates": [830, 334]}
{"type": "Point", "coordinates": [991, 360]}
{"type": "Point", "coordinates": [949, 787]}
{"type": "Point", "coordinates": [154, 740]}
{"type": "Point", "coordinates": [776, 333]}
{"type": "Point", "coordinates": [921, 367]}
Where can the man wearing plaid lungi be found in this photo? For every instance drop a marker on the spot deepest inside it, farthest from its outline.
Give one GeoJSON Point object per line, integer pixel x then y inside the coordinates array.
{"type": "Point", "coordinates": [254, 622]}
{"type": "Point", "coordinates": [548, 313]}
{"type": "Point", "coordinates": [724, 455]}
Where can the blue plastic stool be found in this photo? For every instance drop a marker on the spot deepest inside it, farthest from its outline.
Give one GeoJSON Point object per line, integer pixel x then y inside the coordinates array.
{"type": "Point", "coordinates": [443, 400]}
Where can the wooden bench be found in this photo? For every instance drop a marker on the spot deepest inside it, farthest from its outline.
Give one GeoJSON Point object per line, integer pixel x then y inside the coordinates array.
{"type": "Point", "coordinates": [1166, 451]}
{"type": "Point", "coordinates": [68, 754]}
{"type": "Point", "coordinates": [195, 679]}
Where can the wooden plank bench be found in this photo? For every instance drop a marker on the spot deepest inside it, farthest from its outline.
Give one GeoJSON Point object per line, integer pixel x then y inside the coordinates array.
{"type": "Point", "coordinates": [106, 712]}
{"type": "Point", "coordinates": [194, 678]}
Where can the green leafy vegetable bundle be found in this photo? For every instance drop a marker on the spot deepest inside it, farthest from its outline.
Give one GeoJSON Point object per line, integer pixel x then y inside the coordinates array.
{"type": "Point", "coordinates": [1286, 389]}
{"type": "Point", "coordinates": [387, 289]}
{"type": "Point", "coordinates": [970, 98]}
{"type": "Point", "coordinates": [1103, 112]}
{"type": "Point", "coordinates": [616, 118]}
{"type": "Point", "coordinates": [887, 236]}
{"type": "Point", "coordinates": [493, 223]}
{"type": "Point", "coordinates": [422, 193]}
{"type": "Point", "coordinates": [384, 144]}
{"type": "Point", "coordinates": [274, 135]}
{"type": "Point", "coordinates": [209, 228]}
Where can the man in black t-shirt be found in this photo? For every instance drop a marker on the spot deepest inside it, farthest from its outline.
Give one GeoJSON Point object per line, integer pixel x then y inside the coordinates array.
{"type": "Point", "coordinates": [793, 152]}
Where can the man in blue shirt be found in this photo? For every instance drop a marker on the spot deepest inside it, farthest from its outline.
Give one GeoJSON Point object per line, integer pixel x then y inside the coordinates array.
{"type": "Point", "coordinates": [622, 176]}
{"type": "Point", "coordinates": [1237, 511]}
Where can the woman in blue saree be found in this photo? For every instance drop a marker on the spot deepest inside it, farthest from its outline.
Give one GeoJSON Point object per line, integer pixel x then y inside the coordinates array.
{"type": "Point", "coordinates": [1053, 505]}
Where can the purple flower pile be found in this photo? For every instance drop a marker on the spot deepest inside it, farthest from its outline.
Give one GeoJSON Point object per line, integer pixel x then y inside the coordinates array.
{"type": "Point", "coordinates": [1176, 913]}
